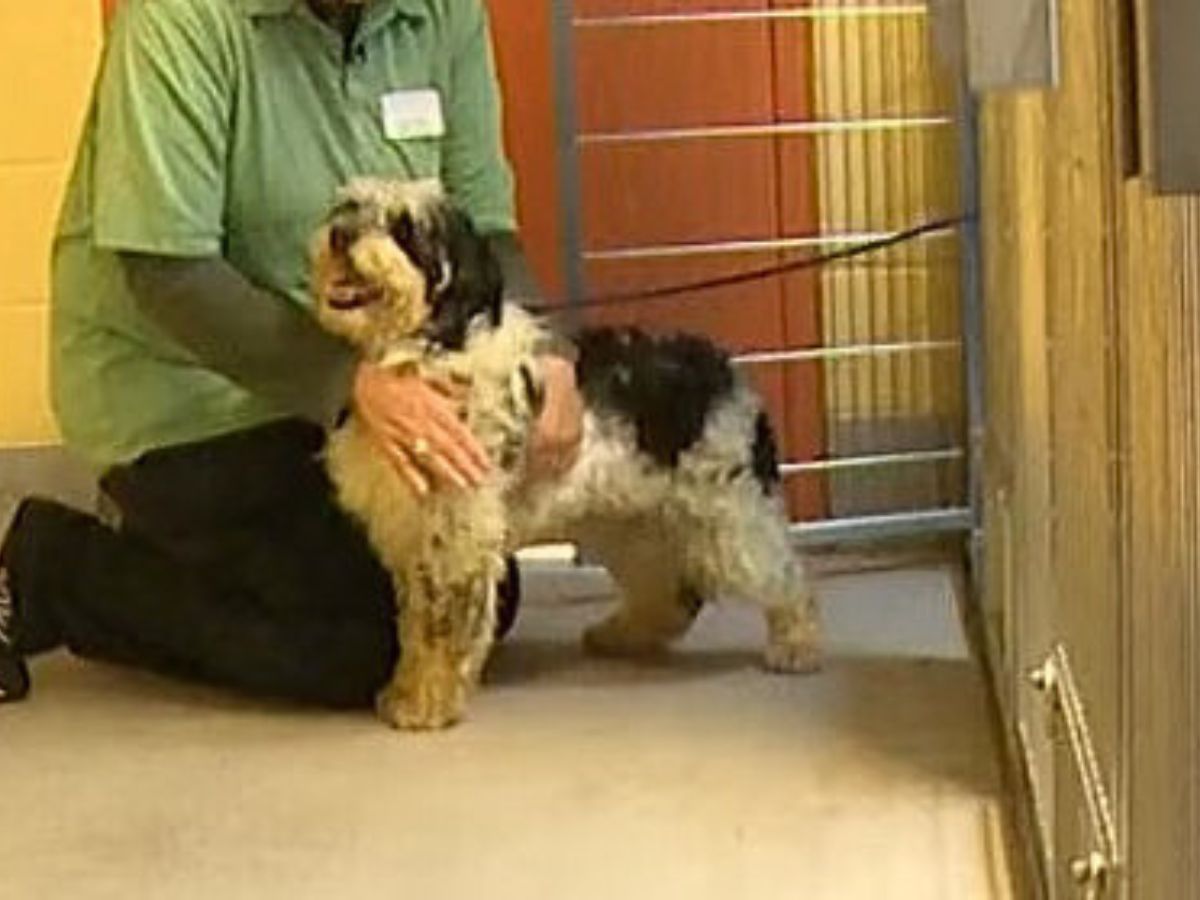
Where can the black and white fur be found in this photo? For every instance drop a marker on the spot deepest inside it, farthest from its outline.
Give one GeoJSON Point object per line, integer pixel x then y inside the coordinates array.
{"type": "Point", "coordinates": [675, 490]}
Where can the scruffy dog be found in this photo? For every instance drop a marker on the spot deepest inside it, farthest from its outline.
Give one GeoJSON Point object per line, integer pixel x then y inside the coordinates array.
{"type": "Point", "coordinates": [675, 491]}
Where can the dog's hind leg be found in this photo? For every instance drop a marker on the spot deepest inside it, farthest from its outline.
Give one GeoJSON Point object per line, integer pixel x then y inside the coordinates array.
{"type": "Point", "coordinates": [742, 549]}
{"type": "Point", "coordinates": [794, 634]}
{"type": "Point", "coordinates": [657, 605]}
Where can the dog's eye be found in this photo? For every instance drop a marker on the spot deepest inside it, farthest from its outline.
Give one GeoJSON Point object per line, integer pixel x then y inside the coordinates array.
{"type": "Point", "coordinates": [404, 231]}
{"type": "Point", "coordinates": [340, 238]}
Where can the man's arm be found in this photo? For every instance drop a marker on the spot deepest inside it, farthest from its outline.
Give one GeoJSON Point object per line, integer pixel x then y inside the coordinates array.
{"type": "Point", "coordinates": [165, 97]}
{"type": "Point", "coordinates": [262, 341]}
{"type": "Point", "coordinates": [270, 346]}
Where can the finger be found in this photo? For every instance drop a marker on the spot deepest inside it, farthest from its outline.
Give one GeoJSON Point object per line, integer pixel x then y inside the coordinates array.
{"type": "Point", "coordinates": [447, 474]}
{"type": "Point", "coordinates": [456, 435]}
{"type": "Point", "coordinates": [387, 437]}
{"type": "Point", "coordinates": [439, 457]}
{"type": "Point", "coordinates": [443, 409]}
{"type": "Point", "coordinates": [453, 390]}
{"type": "Point", "coordinates": [450, 448]}
{"type": "Point", "coordinates": [410, 472]}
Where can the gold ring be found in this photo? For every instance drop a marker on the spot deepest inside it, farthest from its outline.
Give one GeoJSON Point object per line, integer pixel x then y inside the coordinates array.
{"type": "Point", "coordinates": [420, 449]}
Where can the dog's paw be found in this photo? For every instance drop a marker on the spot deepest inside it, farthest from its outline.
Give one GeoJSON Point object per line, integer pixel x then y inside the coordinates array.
{"type": "Point", "coordinates": [794, 638]}
{"type": "Point", "coordinates": [429, 705]}
{"type": "Point", "coordinates": [792, 659]}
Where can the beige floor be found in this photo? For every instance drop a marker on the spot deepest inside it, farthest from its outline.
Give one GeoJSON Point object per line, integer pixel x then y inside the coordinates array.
{"type": "Point", "coordinates": [698, 777]}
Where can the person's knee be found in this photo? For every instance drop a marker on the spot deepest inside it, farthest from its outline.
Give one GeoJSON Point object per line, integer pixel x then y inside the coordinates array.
{"type": "Point", "coordinates": [352, 668]}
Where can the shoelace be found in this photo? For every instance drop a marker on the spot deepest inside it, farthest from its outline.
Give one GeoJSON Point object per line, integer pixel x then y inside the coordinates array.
{"type": "Point", "coordinates": [7, 611]}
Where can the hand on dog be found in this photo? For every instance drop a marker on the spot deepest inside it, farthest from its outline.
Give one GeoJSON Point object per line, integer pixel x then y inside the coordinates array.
{"type": "Point", "coordinates": [559, 428]}
{"type": "Point", "coordinates": [417, 425]}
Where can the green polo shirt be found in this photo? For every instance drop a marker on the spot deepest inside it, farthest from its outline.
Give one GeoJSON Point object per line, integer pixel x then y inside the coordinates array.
{"type": "Point", "coordinates": [225, 127]}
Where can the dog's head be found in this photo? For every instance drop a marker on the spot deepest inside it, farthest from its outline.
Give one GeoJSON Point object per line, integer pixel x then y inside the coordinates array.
{"type": "Point", "coordinates": [396, 261]}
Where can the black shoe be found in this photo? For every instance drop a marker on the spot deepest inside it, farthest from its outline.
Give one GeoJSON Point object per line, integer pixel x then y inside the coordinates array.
{"type": "Point", "coordinates": [508, 599]}
{"type": "Point", "coordinates": [20, 635]}
{"type": "Point", "coordinates": [14, 674]}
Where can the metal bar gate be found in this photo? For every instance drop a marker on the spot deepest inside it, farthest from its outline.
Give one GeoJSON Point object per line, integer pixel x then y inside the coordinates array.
{"type": "Point", "coordinates": [891, 147]}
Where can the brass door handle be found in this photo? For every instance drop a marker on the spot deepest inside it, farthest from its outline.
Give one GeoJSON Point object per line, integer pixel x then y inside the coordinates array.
{"type": "Point", "coordinates": [1044, 678]}
{"type": "Point", "coordinates": [1090, 871]}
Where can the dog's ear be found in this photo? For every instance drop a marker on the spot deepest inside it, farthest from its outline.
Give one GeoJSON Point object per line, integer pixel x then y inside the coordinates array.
{"type": "Point", "coordinates": [404, 232]}
{"type": "Point", "coordinates": [475, 265]}
{"type": "Point", "coordinates": [475, 286]}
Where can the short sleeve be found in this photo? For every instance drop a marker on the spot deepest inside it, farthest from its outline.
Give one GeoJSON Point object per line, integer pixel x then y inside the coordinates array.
{"type": "Point", "coordinates": [475, 170]}
{"type": "Point", "coordinates": [162, 131]}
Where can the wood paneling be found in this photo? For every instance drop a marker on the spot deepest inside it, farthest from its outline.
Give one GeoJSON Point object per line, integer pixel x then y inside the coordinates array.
{"type": "Point", "coordinates": [1019, 591]}
{"type": "Point", "coordinates": [1093, 461]}
{"type": "Point", "coordinates": [1084, 365]}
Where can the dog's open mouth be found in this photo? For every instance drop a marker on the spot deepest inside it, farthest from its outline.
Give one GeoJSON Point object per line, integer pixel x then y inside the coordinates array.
{"type": "Point", "coordinates": [349, 295]}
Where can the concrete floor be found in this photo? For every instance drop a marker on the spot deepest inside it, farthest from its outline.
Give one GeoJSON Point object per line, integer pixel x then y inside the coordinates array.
{"type": "Point", "coordinates": [697, 777]}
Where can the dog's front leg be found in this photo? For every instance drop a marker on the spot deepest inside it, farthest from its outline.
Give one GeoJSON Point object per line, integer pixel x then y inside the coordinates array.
{"type": "Point", "coordinates": [445, 628]}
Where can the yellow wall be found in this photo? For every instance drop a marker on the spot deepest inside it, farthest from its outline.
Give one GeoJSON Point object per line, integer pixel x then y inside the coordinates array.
{"type": "Point", "coordinates": [48, 52]}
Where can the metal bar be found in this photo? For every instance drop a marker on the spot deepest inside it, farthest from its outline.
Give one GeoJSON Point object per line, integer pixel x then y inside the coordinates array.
{"type": "Point", "coordinates": [767, 357]}
{"type": "Point", "coordinates": [882, 527]}
{"type": "Point", "coordinates": [972, 318]}
{"type": "Point", "coordinates": [776, 129]}
{"type": "Point", "coordinates": [664, 251]}
{"type": "Point", "coordinates": [871, 461]}
{"type": "Point", "coordinates": [566, 137]}
{"type": "Point", "coordinates": [814, 533]}
{"type": "Point", "coordinates": [1087, 766]}
{"type": "Point", "coordinates": [636, 20]}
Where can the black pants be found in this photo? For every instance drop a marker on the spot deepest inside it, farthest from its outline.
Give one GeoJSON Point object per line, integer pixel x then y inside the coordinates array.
{"type": "Point", "coordinates": [232, 565]}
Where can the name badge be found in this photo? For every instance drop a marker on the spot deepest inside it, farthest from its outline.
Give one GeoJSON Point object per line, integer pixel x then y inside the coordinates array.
{"type": "Point", "coordinates": [413, 114]}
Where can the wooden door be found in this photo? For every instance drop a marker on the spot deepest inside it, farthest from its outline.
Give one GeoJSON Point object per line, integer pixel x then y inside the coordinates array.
{"type": "Point", "coordinates": [1119, 286]}
{"type": "Point", "coordinates": [1019, 593]}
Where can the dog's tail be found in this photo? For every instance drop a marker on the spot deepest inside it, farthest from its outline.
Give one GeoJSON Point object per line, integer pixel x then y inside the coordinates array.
{"type": "Point", "coordinates": [765, 454]}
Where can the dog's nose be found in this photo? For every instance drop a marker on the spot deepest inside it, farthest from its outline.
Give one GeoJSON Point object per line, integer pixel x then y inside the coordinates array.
{"type": "Point", "coordinates": [340, 238]}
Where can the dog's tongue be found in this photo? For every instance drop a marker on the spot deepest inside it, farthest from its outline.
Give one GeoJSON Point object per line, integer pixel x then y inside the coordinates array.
{"type": "Point", "coordinates": [345, 295]}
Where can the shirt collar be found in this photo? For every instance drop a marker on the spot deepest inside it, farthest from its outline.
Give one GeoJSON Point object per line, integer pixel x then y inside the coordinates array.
{"type": "Point", "coordinates": [413, 9]}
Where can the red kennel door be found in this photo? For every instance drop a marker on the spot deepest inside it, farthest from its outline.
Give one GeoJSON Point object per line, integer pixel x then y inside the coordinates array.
{"type": "Point", "coordinates": [667, 201]}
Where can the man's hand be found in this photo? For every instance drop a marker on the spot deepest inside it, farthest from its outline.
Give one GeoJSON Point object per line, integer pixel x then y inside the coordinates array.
{"type": "Point", "coordinates": [416, 423]}
{"type": "Point", "coordinates": [559, 429]}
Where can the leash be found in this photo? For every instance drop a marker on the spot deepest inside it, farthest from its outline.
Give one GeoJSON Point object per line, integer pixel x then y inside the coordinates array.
{"type": "Point", "coordinates": [864, 248]}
